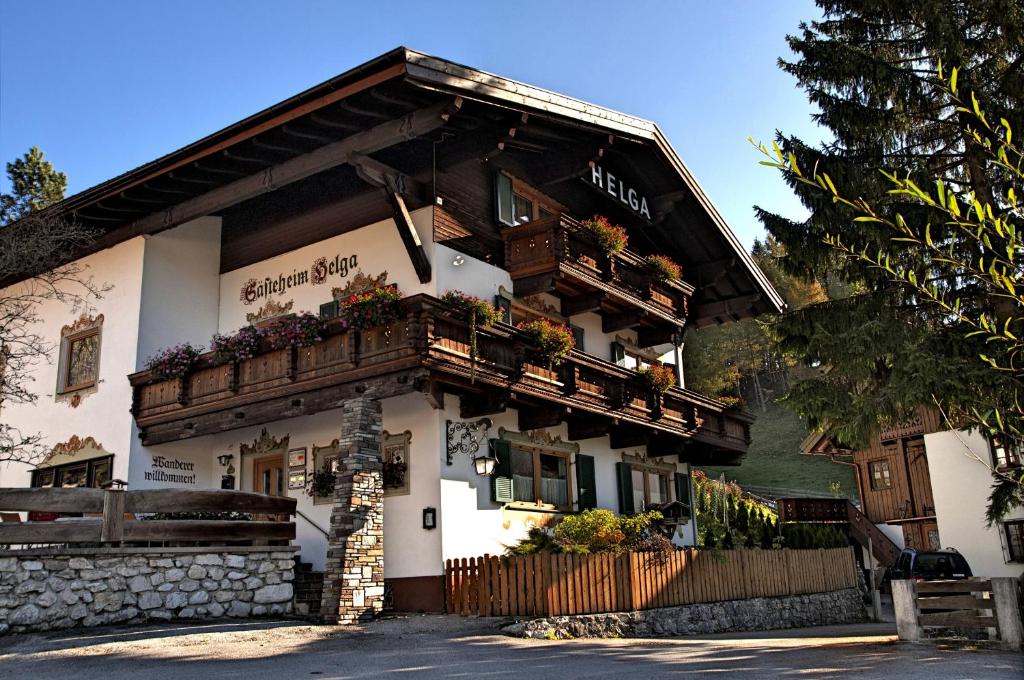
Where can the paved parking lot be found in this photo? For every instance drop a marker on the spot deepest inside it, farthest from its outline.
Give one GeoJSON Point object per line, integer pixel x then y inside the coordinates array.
{"type": "Point", "coordinates": [450, 647]}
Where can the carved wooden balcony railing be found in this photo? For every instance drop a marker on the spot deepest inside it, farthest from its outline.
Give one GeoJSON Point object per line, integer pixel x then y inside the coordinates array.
{"type": "Point", "coordinates": [556, 255]}
{"type": "Point", "coordinates": [432, 341]}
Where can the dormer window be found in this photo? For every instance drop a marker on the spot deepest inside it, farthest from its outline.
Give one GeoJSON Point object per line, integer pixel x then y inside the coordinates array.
{"type": "Point", "coordinates": [518, 203]}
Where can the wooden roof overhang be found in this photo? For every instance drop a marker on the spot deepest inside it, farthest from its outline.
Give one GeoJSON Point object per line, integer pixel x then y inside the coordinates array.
{"type": "Point", "coordinates": [395, 115]}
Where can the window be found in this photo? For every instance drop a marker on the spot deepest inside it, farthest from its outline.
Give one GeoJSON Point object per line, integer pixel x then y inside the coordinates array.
{"type": "Point", "coordinates": [629, 357]}
{"type": "Point", "coordinates": [1015, 539]}
{"type": "Point", "coordinates": [880, 477]}
{"type": "Point", "coordinates": [79, 355]}
{"type": "Point", "coordinates": [540, 477]}
{"type": "Point", "coordinates": [92, 473]}
{"type": "Point", "coordinates": [518, 203]}
{"type": "Point", "coordinates": [395, 454]}
{"type": "Point", "coordinates": [1004, 454]}
{"type": "Point", "coordinates": [650, 488]}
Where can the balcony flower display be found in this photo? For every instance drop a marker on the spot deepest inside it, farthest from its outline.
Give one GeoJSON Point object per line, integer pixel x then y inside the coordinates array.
{"type": "Point", "coordinates": [297, 330]}
{"type": "Point", "coordinates": [659, 378]}
{"type": "Point", "coordinates": [480, 313]}
{"type": "Point", "coordinates": [610, 238]}
{"type": "Point", "coordinates": [239, 346]}
{"type": "Point", "coordinates": [664, 268]}
{"type": "Point", "coordinates": [374, 307]}
{"type": "Point", "coordinates": [321, 483]}
{"type": "Point", "coordinates": [554, 341]}
{"type": "Point", "coordinates": [174, 362]}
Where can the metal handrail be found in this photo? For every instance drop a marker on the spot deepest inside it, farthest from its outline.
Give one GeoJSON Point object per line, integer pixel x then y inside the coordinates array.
{"type": "Point", "coordinates": [314, 524]}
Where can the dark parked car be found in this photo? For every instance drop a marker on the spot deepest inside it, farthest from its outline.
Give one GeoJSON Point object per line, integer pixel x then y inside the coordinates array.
{"type": "Point", "coordinates": [937, 565]}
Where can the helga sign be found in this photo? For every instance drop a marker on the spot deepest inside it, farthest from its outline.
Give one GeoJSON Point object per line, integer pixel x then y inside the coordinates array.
{"type": "Point", "coordinates": [619, 190]}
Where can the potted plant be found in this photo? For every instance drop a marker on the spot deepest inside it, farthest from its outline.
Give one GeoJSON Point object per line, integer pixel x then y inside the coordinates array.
{"type": "Point", "coordinates": [480, 312]}
{"type": "Point", "coordinates": [664, 268]}
{"type": "Point", "coordinates": [174, 362]}
{"type": "Point", "coordinates": [610, 238]}
{"type": "Point", "coordinates": [659, 378]}
{"type": "Point", "coordinates": [374, 307]}
{"type": "Point", "coordinates": [553, 341]}
{"type": "Point", "coordinates": [321, 483]}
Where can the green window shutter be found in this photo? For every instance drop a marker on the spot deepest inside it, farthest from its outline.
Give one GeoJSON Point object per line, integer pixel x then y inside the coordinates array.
{"type": "Point", "coordinates": [501, 482]}
{"type": "Point", "coordinates": [586, 482]}
{"type": "Point", "coordinates": [624, 475]}
{"type": "Point", "coordinates": [683, 488]}
{"type": "Point", "coordinates": [618, 353]}
{"type": "Point", "coordinates": [503, 199]}
{"type": "Point", "coordinates": [577, 336]}
{"type": "Point", "coordinates": [504, 307]}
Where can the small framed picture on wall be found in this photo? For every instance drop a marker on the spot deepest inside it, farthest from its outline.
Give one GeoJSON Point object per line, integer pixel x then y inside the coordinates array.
{"type": "Point", "coordinates": [297, 457]}
{"type": "Point", "coordinates": [297, 478]}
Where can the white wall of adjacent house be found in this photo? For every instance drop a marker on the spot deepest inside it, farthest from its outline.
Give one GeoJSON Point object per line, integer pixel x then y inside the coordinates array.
{"type": "Point", "coordinates": [102, 411]}
{"type": "Point", "coordinates": [961, 485]}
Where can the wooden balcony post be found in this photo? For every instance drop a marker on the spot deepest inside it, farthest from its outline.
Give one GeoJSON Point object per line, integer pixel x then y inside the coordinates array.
{"type": "Point", "coordinates": [234, 382]}
{"type": "Point", "coordinates": [112, 527]}
{"type": "Point", "coordinates": [293, 363]}
{"type": "Point", "coordinates": [184, 388]}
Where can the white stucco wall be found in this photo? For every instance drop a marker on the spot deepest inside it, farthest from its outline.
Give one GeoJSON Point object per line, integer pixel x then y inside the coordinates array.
{"type": "Point", "coordinates": [103, 412]}
{"type": "Point", "coordinates": [961, 485]}
{"type": "Point", "coordinates": [180, 287]}
{"type": "Point", "coordinates": [376, 248]}
{"type": "Point", "coordinates": [473, 525]}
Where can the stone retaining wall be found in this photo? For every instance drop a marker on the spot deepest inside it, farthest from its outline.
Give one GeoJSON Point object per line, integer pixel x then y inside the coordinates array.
{"type": "Point", "coordinates": [48, 589]}
{"type": "Point", "coordinates": [761, 613]}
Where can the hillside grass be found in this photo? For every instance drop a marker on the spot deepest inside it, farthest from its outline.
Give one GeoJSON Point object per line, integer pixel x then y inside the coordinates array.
{"type": "Point", "coordinates": [774, 459]}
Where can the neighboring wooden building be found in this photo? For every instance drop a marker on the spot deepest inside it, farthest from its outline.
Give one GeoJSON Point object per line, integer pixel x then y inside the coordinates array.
{"type": "Point", "coordinates": [418, 173]}
{"type": "Point", "coordinates": [926, 488]}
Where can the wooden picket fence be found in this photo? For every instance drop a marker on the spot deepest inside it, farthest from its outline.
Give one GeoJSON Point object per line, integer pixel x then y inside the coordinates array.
{"type": "Point", "coordinates": [558, 585]}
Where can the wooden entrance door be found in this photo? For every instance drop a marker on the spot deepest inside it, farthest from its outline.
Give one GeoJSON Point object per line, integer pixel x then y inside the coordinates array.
{"type": "Point", "coordinates": [268, 477]}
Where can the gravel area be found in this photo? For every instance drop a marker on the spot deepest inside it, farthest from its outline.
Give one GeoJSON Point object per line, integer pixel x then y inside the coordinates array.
{"type": "Point", "coordinates": [454, 647]}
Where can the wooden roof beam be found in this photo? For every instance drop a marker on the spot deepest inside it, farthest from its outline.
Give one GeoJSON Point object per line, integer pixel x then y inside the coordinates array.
{"type": "Point", "coordinates": [332, 155]}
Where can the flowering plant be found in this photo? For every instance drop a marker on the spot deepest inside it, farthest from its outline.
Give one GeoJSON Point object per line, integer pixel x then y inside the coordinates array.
{"type": "Point", "coordinates": [174, 362]}
{"type": "Point", "coordinates": [554, 341]}
{"type": "Point", "coordinates": [610, 238]}
{"type": "Point", "coordinates": [664, 268]}
{"type": "Point", "coordinates": [321, 483]}
{"type": "Point", "coordinates": [659, 378]}
{"type": "Point", "coordinates": [298, 330]}
{"type": "Point", "coordinates": [731, 402]}
{"type": "Point", "coordinates": [480, 313]}
{"type": "Point", "coordinates": [243, 344]}
{"type": "Point", "coordinates": [374, 307]}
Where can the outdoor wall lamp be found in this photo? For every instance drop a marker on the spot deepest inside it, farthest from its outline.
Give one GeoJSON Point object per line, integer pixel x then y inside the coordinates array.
{"type": "Point", "coordinates": [225, 460]}
{"type": "Point", "coordinates": [429, 518]}
{"type": "Point", "coordinates": [484, 465]}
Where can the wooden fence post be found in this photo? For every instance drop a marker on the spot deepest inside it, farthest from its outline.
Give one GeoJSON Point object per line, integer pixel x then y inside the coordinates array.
{"type": "Point", "coordinates": [1008, 614]}
{"type": "Point", "coordinates": [112, 528]}
{"type": "Point", "coordinates": [905, 606]}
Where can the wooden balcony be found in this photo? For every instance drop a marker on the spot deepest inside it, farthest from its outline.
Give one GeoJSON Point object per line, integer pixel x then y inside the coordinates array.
{"type": "Point", "coordinates": [429, 349]}
{"type": "Point", "coordinates": [555, 255]}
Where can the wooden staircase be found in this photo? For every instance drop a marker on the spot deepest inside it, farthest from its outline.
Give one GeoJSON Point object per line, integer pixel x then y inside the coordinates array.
{"type": "Point", "coordinates": [835, 510]}
{"type": "Point", "coordinates": [308, 587]}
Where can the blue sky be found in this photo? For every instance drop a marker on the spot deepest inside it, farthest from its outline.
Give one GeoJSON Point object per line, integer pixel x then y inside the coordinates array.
{"type": "Point", "coordinates": [103, 87]}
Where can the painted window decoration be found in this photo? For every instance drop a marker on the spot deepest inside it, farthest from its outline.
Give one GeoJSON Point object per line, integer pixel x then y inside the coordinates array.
{"type": "Point", "coordinates": [395, 456]}
{"type": "Point", "coordinates": [320, 483]}
{"type": "Point", "coordinates": [80, 355]}
{"type": "Point", "coordinates": [92, 473]}
{"type": "Point", "coordinates": [881, 478]}
{"type": "Point", "coordinates": [1015, 539]}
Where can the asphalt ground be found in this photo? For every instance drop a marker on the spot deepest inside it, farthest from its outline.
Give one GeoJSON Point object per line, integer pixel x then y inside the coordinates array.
{"type": "Point", "coordinates": [453, 647]}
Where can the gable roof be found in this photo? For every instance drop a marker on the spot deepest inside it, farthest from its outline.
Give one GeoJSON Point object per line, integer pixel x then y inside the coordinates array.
{"type": "Point", "coordinates": [118, 205]}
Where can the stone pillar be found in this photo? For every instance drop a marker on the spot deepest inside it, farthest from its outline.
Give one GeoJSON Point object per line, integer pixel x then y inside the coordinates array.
{"type": "Point", "coordinates": [354, 572]}
{"type": "Point", "coordinates": [1008, 613]}
{"type": "Point", "coordinates": [904, 603]}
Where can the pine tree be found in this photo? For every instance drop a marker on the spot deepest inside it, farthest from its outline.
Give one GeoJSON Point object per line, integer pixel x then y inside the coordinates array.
{"type": "Point", "coordinates": [35, 184]}
{"type": "Point", "coordinates": [871, 68]}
